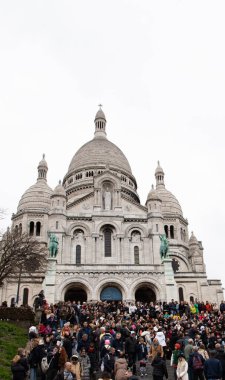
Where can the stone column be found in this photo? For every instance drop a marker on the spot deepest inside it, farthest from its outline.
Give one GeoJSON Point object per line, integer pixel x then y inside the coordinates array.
{"type": "Point", "coordinates": [50, 277]}
{"type": "Point", "coordinates": [170, 283]}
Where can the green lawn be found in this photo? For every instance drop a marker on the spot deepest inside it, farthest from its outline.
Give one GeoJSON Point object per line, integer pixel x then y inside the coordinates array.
{"type": "Point", "coordinates": [11, 338]}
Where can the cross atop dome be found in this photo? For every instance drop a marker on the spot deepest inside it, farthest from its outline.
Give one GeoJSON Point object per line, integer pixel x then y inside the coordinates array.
{"type": "Point", "coordinates": [100, 123]}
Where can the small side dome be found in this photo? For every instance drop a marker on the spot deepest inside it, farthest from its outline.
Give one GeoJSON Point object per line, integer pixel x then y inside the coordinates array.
{"type": "Point", "coordinates": [193, 240]}
{"type": "Point", "coordinates": [37, 197]}
{"type": "Point", "coordinates": [59, 191]}
{"type": "Point", "coordinates": [153, 196]}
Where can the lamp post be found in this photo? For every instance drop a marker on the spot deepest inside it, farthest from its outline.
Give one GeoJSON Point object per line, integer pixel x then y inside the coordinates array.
{"type": "Point", "coordinates": [18, 284]}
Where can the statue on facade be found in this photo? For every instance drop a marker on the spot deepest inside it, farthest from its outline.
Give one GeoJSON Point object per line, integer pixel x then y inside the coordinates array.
{"type": "Point", "coordinates": [107, 199]}
{"type": "Point", "coordinates": [164, 246]}
{"type": "Point", "coordinates": [53, 245]}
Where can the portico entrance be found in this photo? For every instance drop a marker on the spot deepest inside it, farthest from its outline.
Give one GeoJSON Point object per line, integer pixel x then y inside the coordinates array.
{"type": "Point", "coordinates": [76, 294]}
{"type": "Point", "coordinates": [145, 294]}
{"type": "Point", "coordinates": [111, 293]}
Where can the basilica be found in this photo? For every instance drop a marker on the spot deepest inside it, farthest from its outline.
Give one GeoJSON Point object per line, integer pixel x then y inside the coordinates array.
{"type": "Point", "coordinates": [108, 243]}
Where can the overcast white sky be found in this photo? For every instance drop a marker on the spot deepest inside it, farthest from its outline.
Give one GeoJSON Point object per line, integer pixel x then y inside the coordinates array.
{"type": "Point", "coordinates": [158, 68]}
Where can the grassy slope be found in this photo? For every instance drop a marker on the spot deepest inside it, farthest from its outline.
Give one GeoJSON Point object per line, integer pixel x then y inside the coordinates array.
{"type": "Point", "coordinates": [11, 338]}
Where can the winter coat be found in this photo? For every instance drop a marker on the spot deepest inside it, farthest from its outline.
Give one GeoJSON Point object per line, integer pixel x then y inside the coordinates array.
{"type": "Point", "coordinates": [120, 369]}
{"type": "Point", "coordinates": [142, 351]}
{"type": "Point", "coordinates": [109, 363]}
{"type": "Point", "coordinates": [19, 369]}
{"type": "Point", "coordinates": [85, 366]}
{"type": "Point", "coordinates": [213, 369]}
{"type": "Point", "coordinates": [130, 345]}
{"type": "Point", "coordinates": [182, 370]}
{"type": "Point", "coordinates": [161, 338]}
{"type": "Point", "coordinates": [159, 367]}
{"type": "Point", "coordinates": [76, 370]}
{"type": "Point", "coordinates": [154, 349]}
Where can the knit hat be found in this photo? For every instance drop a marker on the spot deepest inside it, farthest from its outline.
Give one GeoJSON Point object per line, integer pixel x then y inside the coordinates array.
{"type": "Point", "coordinates": [177, 346]}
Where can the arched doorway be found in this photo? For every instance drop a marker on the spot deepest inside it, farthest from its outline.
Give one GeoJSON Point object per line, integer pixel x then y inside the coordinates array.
{"type": "Point", "coordinates": [111, 293]}
{"type": "Point", "coordinates": [145, 294]}
{"type": "Point", "coordinates": [76, 294]}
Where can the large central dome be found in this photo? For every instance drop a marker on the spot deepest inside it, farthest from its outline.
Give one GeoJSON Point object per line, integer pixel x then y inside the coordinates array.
{"type": "Point", "coordinates": [99, 152]}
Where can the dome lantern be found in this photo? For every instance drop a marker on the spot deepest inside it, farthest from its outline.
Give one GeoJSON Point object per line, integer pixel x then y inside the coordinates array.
{"type": "Point", "coordinates": [100, 123]}
{"type": "Point", "coordinates": [42, 169]}
{"type": "Point", "coordinates": [159, 175]}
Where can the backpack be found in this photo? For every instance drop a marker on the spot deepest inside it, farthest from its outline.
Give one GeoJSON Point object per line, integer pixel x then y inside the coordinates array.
{"type": "Point", "coordinates": [44, 364]}
{"type": "Point", "coordinates": [197, 362]}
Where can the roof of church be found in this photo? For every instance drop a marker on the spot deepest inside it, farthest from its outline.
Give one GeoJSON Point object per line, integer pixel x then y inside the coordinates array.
{"type": "Point", "coordinates": [36, 197]}
{"type": "Point", "coordinates": [99, 151]}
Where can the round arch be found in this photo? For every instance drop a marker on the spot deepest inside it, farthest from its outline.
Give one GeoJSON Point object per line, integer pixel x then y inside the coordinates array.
{"type": "Point", "coordinates": [111, 293]}
{"type": "Point", "coordinates": [75, 283]}
{"type": "Point", "coordinates": [112, 224]}
{"type": "Point", "coordinates": [77, 226]}
{"type": "Point", "coordinates": [114, 283]}
{"type": "Point", "coordinates": [145, 284]}
{"type": "Point", "coordinates": [135, 226]}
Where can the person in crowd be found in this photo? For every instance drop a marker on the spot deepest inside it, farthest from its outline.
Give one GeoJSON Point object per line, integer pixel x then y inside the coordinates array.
{"type": "Point", "coordinates": [174, 358]}
{"type": "Point", "coordinates": [94, 360]}
{"type": "Point", "coordinates": [76, 368]}
{"type": "Point", "coordinates": [66, 373]}
{"type": "Point", "coordinates": [142, 354]}
{"type": "Point", "coordinates": [109, 361]}
{"type": "Point", "coordinates": [196, 364]}
{"type": "Point", "coordinates": [154, 349]}
{"type": "Point", "coordinates": [121, 367]}
{"type": "Point", "coordinates": [212, 367]}
{"type": "Point", "coordinates": [202, 350]}
{"type": "Point", "coordinates": [85, 364]}
{"type": "Point", "coordinates": [19, 366]}
{"type": "Point", "coordinates": [182, 368]}
{"type": "Point", "coordinates": [220, 355]}
{"type": "Point", "coordinates": [131, 350]}
{"type": "Point", "coordinates": [159, 367]}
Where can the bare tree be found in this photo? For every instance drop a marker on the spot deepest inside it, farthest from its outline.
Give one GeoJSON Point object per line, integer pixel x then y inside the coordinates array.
{"type": "Point", "coordinates": [21, 253]}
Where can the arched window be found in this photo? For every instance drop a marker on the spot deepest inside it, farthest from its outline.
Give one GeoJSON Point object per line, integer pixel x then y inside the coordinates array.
{"type": "Point", "coordinates": [108, 242]}
{"type": "Point", "coordinates": [38, 228]}
{"type": "Point", "coordinates": [12, 302]}
{"type": "Point", "coordinates": [78, 254]}
{"type": "Point", "coordinates": [31, 231]}
{"type": "Point", "coordinates": [171, 232]}
{"type": "Point", "coordinates": [181, 294]}
{"type": "Point", "coordinates": [191, 299]}
{"type": "Point", "coordinates": [20, 228]}
{"type": "Point", "coordinates": [25, 296]}
{"type": "Point", "coordinates": [166, 230]}
{"type": "Point", "coordinates": [56, 225]}
{"type": "Point", "coordinates": [136, 255]}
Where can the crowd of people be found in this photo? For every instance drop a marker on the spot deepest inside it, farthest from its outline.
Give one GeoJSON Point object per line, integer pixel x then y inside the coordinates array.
{"type": "Point", "coordinates": [121, 341]}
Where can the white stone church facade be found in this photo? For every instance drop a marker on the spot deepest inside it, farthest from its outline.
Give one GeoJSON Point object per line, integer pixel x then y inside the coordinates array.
{"type": "Point", "coordinates": [109, 245]}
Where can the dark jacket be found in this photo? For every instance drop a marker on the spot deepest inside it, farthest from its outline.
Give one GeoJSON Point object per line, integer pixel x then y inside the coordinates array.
{"type": "Point", "coordinates": [20, 369]}
{"type": "Point", "coordinates": [142, 351]}
{"type": "Point", "coordinates": [130, 345]}
{"type": "Point", "coordinates": [159, 367]}
{"type": "Point", "coordinates": [35, 356]}
{"type": "Point", "coordinates": [220, 355]}
{"type": "Point", "coordinates": [212, 369]}
{"type": "Point", "coordinates": [109, 362]}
